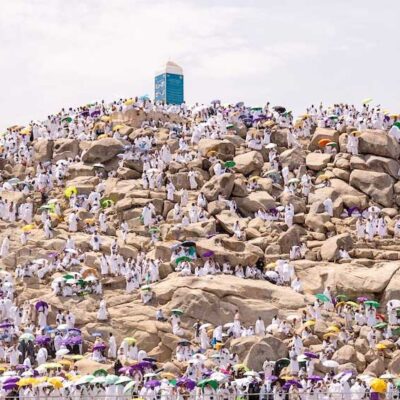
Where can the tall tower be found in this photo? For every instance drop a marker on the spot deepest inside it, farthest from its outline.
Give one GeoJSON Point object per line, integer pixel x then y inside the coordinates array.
{"type": "Point", "coordinates": [168, 84]}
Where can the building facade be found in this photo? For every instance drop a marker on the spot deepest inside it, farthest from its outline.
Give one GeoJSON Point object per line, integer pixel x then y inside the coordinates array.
{"type": "Point", "coordinates": [169, 84]}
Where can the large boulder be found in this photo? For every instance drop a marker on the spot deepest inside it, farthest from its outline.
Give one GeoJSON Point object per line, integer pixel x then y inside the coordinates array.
{"type": "Point", "coordinates": [224, 148]}
{"type": "Point", "coordinates": [330, 248]}
{"type": "Point", "coordinates": [290, 238]}
{"type": "Point", "coordinates": [293, 158]}
{"type": "Point", "coordinates": [43, 150]}
{"type": "Point", "coordinates": [377, 185]}
{"type": "Point", "coordinates": [102, 150]}
{"type": "Point", "coordinates": [383, 164]}
{"type": "Point", "coordinates": [218, 185]}
{"type": "Point", "coordinates": [379, 143]}
{"type": "Point", "coordinates": [249, 162]}
{"type": "Point", "coordinates": [323, 133]}
{"type": "Point", "coordinates": [260, 200]}
{"type": "Point", "coordinates": [317, 161]}
{"type": "Point", "coordinates": [65, 148]}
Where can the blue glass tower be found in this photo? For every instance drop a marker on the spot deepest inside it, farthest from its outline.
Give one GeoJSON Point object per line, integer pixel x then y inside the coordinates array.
{"type": "Point", "coordinates": [168, 84]}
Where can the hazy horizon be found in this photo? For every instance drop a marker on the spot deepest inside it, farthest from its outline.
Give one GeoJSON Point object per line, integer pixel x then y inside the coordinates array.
{"type": "Point", "coordinates": [59, 54]}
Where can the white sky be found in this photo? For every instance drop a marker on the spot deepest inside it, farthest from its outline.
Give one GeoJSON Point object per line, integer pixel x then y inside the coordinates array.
{"type": "Point", "coordinates": [58, 53]}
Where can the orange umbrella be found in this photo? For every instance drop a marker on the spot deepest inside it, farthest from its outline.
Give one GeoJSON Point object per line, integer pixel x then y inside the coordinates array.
{"type": "Point", "coordinates": [323, 142]}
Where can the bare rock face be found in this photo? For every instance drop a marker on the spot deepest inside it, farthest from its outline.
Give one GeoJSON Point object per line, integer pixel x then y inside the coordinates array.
{"type": "Point", "coordinates": [218, 185]}
{"type": "Point", "coordinates": [377, 185]}
{"type": "Point", "coordinates": [102, 150]}
{"type": "Point", "coordinates": [255, 201]}
{"type": "Point", "coordinates": [64, 149]}
{"type": "Point", "coordinates": [43, 150]}
{"type": "Point", "coordinates": [383, 164]}
{"type": "Point", "coordinates": [224, 148]}
{"type": "Point", "coordinates": [330, 248]}
{"type": "Point", "coordinates": [290, 238]}
{"type": "Point", "coordinates": [293, 158]}
{"type": "Point", "coordinates": [249, 162]}
{"type": "Point", "coordinates": [317, 161]}
{"type": "Point", "coordinates": [378, 143]}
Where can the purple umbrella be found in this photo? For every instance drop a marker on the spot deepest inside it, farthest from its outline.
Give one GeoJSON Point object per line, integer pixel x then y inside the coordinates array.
{"type": "Point", "coordinates": [41, 305]}
{"type": "Point", "coordinates": [99, 346]}
{"type": "Point", "coordinates": [271, 378]}
{"type": "Point", "coordinates": [74, 330]}
{"type": "Point", "coordinates": [124, 370]}
{"type": "Point", "coordinates": [53, 254]}
{"type": "Point", "coordinates": [85, 113]}
{"type": "Point", "coordinates": [362, 299]}
{"type": "Point", "coordinates": [95, 113]}
{"type": "Point", "coordinates": [144, 364]}
{"type": "Point", "coordinates": [152, 384]}
{"type": "Point", "coordinates": [310, 355]}
{"type": "Point", "coordinates": [21, 367]}
{"type": "Point", "coordinates": [42, 340]}
{"type": "Point", "coordinates": [6, 325]}
{"type": "Point", "coordinates": [208, 254]}
{"type": "Point", "coordinates": [187, 383]}
{"type": "Point", "coordinates": [12, 379]}
{"type": "Point", "coordinates": [10, 386]}
{"type": "Point", "coordinates": [315, 378]}
{"type": "Point", "coordinates": [74, 340]}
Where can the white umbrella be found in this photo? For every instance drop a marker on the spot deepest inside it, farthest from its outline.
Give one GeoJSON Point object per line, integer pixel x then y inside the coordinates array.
{"type": "Point", "coordinates": [228, 325]}
{"type": "Point", "coordinates": [271, 145]}
{"type": "Point", "coordinates": [272, 274]}
{"type": "Point", "coordinates": [62, 352]}
{"type": "Point", "coordinates": [219, 376]}
{"type": "Point", "coordinates": [330, 364]}
{"type": "Point", "coordinates": [394, 303]}
{"type": "Point", "coordinates": [387, 376]}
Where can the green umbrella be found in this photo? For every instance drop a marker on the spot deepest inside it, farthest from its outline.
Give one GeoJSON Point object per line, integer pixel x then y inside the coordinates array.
{"type": "Point", "coordinates": [100, 372]}
{"type": "Point", "coordinates": [67, 119]}
{"type": "Point", "coordinates": [111, 379]}
{"type": "Point", "coordinates": [380, 325]}
{"type": "Point", "coordinates": [229, 164]}
{"type": "Point", "coordinates": [177, 311]}
{"type": "Point", "coordinates": [341, 297]}
{"type": "Point", "coordinates": [322, 297]}
{"type": "Point", "coordinates": [396, 331]}
{"type": "Point", "coordinates": [397, 124]}
{"type": "Point", "coordinates": [154, 229]}
{"type": "Point", "coordinates": [183, 258]}
{"type": "Point", "coordinates": [99, 379]}
{"type": "Point", "coordinates": [104, 203]}
{"type": "Point", "coordinates": [283, 362]}
{"type": "Point", "coordinates": [66, 277]}
{"type": "Point", "coordinates": [229, 126]}
{"type": "Point", "coordinates": [372, 303]}
{"type": "Point", "coordinates": [208, 382]}
{"type": "Point", "coordinates": [256, 108]}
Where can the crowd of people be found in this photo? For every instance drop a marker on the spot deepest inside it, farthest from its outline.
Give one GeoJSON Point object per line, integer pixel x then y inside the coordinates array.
{"type": "Point", "coordinates": [40, 357]}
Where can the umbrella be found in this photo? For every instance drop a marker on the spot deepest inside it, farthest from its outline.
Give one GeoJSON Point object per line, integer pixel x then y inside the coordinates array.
{"type": "Point", "coordinates": [294, 180]}
{"type": "Point", "coordinates": [51, 365]}
{"type": "Point", "coordinates": [229, 164]}
{"type": "Point", "coordinates": [67, 119]}
{"type": "Point", "coordinates": [62, 352]}
{"type": "Point", "coordinates": [62, 327]}
{"type": "Point", "coordinates": [188, 243]}
{"type": "Point", "coordinates": [41, 304]}
{"type": "Point", "coordinates": [323, 142]}
{"type": "Point", "coordinates": [10, 386]}
{"type": "Point", "coordinates": [380, 325]}
{"type": "Point", "coordinates": [69, 191]}
{"type": "Point", "coordinates": [98, 379]}
{"type": "Point", "coordinates": [352, 303]}
{"type": "Point", "coordinates": [208, 254]}
{"type": "Point", "coordinates": [332, 144]}
{"type": "Point", "coordinates": [279, 109]}
{"type": "Point", "coordinates": [187, 383]}
{"type": "Point", "coordinates": [208, 382]}
{"type": "Point", "coordinates": [111, 379]}
{"type": "Point", "coordinates": [152, 384]}
{"type": "Point", "coordinates": [105, 203]}
{"type": "Point", "coordinates": [42, 340]}
{"type": "Point", "coordinates": [309, 323]}
{"type": "Point", "coordinates": [330, 364]}
{"type": "Point", "coordinates": [381, 346]}
{"type": "Point", "coordinates": [372, 303]}
{"type": "Point", "coordinates": [117, 127]}
{"type": "Point", "coordinates": [270, 146]}
{"type": "Point", "coordinates": [129, 102]}
{"type": "Point", "coordinates": [55, 382]}
{"type": "Point", "coordinates": [145, 287]}
{"type": "Point", "coordinates": [309, 354]}
{"type": "Point", "coordinates": [28, 228]}
{"type": "Point", "coordinates": [99, 346]}
{"type": "Point", "coordinates": [315, 378]}
{"type": "Point", "coordinates": [367, 100]}
{"type": "Point", "coordinates": [129, 386]}
{"type": "Point", "coordinates": [333, 329]}
{"type": "Point", "coordinates": [378, 385]}
{"type": "Point", "coordinates": [183, 258]}
{"type": "Point", "coordinates": [283, 362]}
{"type": "Point", "coordinates": [26, 337]}
{"type": "Point", "coordinates": [177, 311]}
{"type": "Point", "coordinates": [130, 340]}
{"type": "Point", "coordinates": [122, 379]}
{"type": "Point", "coordinates": [322, 297]}
{"type": "Point", "coordinates": [105, 118]}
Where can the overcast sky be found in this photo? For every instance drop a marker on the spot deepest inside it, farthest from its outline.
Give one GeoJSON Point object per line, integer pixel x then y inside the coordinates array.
{"type": "Point", "coordinates": [56, 53]}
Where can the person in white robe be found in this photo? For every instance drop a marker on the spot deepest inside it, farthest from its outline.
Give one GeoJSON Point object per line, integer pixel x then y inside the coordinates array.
{"type": "Point", "coordinates": [259, 328]}
{"type": "Point", "coordinates": [102, 313]}
{"type": "Point", "coordinates": [328, 205]}
{"type": "Point", "coordinates": [5, 247]}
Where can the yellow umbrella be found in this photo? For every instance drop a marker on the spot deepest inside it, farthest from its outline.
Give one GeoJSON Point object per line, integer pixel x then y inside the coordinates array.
{"type": "Point", "coordinates": [116, 127]}
{"type": "Point", "coordinates": [89, 221]}
{"type": "Point", "coordinates": [367, 100]}
{"type": "Point", "coordinates": [330, 334]}
{"type": "Point", "coordinates": [56, 382]}
{"type": "Point", "coordinates": [287, 377]}
{"type": "Point", "coordinates": [218, 346]}
{"type": "Point", "coordinates": [309, 323]}
{"type": "Point", "coordinates": [26, 381]}
{"type": "Point", "coordinates": [269, 123]}
{"type": "Point", "coordinates": [130, 340]}
{"type": "Point", "coordinates": [381, 346]}
{"type": "Point", "coordinates": [105, 118]}
{"type": "Point", "coordinates": [128, 102]}
{"type": "Point", "coordinates": [352, 303]}
{"type": "Point", "coordinates": [28, 228]}
{"type": "Point", "coordinates": [69, 191]}
{"type": "Point", "coordinates": [26, 131]}
{"type": "Point", "coordinates": [378, 385]}
{"type": "Point", "coordinates": [270, 265]}
{"type": "Point", "coordinates": [103, 136]}
{"type": "Point", "coordinates": [333, 329]}
{"type": "Point", "coordinates": [66, 363]}
{"type": "Point", "coordinates": [54, 217]}
{"type": "Point", "coordinates": [74, 357]}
